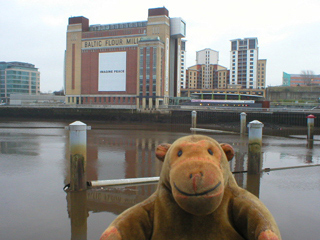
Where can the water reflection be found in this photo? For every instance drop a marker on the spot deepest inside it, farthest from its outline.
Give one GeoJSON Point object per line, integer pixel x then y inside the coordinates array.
{"type": "Point", "coordinates": [33, 201]}
{"type": "Point", "coordinates": [10, 144]}
{"type": "Point", "coordinates": [20, 148]}
{"type": "Point", "coordinates": [239, 164]}
{"type": "Point", "coordinates": [310, 144]}
{"type": "Point", "coordinates": [116, 200]}
{"type": "Point", "coordinates": [78, 213]}
{"type": "Point", "coordinates": [249, 180]}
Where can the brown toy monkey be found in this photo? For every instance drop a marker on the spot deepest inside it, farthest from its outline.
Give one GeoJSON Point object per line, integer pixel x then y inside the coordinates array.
{"type": "Point", "coordinates": [197, 198]}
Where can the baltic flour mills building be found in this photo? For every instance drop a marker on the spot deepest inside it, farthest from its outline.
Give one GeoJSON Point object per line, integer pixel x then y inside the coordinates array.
{"type": "Point", "coordinates": [125, 64]}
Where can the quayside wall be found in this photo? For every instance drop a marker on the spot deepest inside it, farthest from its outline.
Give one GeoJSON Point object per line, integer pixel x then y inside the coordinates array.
{"type": "Point", "coordinates": [161, 116]}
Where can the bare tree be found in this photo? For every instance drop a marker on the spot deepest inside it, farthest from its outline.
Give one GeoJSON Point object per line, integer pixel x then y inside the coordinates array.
{"type": "Point", "coordinates": [307, 77]}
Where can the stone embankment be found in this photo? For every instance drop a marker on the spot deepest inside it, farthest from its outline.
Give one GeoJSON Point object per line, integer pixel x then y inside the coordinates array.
{"type": "Point", "coordinates": [176, 116]}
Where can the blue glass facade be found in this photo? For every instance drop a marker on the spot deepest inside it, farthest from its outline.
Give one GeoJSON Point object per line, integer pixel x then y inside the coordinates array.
{"type": "Point", "coordinates": [18, 77]}
{"type": "Point", "coordinates": [286, 79]}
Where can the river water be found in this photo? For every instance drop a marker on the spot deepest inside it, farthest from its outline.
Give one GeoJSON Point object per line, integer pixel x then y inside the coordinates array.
{"type": "Point", "coordinates": [34, 168]}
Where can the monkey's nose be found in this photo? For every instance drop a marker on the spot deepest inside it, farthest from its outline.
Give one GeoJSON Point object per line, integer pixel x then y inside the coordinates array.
{"type": "Point", "coordinates": [199, 174]}
{"type": "Point", "coordinates": [196, 179]}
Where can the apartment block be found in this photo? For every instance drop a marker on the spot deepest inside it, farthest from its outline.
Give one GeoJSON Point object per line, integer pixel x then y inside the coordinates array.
{"type": "Point", "coordinates": [244, 63]}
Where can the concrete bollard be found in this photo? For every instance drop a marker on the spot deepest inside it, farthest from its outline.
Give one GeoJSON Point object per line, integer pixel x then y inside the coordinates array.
{"type": "Point", "coordinates": [193, 119]}
{"type": "Point", "coordinates": [254, 147]}
{"type": "Point", "coordinates": [310, 122]}
{"type": "Point", "coordinates": [243, 121]}
{"type": "Point", "coordinates": [78, 155]}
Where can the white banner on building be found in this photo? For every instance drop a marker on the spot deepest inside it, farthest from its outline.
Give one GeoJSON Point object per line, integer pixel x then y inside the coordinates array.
{"type": "Point", "coordinates": [112, 71]}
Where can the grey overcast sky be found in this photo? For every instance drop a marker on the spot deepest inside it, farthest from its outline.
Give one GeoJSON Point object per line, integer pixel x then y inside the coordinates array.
{"type": "Point", "coordinates": [288, 31]}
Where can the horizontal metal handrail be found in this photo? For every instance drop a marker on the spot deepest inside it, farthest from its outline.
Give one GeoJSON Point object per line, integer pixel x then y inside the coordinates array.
{"type": "Point", "coordinates": [126, 181]}
{"type": "Point", "coordinates": [211, 130]}
{"type": "Point", "coordinates": [151, 180]}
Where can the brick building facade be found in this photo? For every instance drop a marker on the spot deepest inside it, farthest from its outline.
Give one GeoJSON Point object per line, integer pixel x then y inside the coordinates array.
{"type": "Point", "coordinates": [134, 64]}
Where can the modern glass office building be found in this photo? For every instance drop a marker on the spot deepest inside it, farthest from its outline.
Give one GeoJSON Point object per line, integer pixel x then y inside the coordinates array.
{"type": "Point", "coordinates": [18, 77]}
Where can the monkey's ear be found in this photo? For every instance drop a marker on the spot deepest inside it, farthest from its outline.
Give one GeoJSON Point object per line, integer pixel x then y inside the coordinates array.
{"type": "Point", "coordinates": [228, 150]}
{"type": "Point", "coordinates": [162, 150]}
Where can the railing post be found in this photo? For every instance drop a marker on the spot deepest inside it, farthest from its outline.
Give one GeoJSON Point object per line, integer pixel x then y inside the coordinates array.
{"type": "Point", "coordinates": [254, 147]}
{"type": "Point", "coordinates": [78, 155]}
{"type": "Point", "coordinates": [243, 121]}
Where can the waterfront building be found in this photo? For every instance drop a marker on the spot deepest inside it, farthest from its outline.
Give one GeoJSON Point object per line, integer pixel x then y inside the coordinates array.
{"type": "Point", "coordinates": [183, 64]}
{"type": "Point", "coordinates": [207, 58]}
{"type": "Point", "coordinates": [207, 73]}
{"type": "Point", "coordinates": [303, 79]}
{"type": "Point", "coordinates": [261, 73]}
{"type": "Point", "coordinates": [41, 99]}
{"type": "Point", "coordinates": [133, 64]}
{"type": "Point", "coordinates": [193, 77]}
{"type": "Point", "coordinates": [204, 76]}
{"type": "Point", "coordinates": [244, 62]}
{"type": "Point", "coordinates": [18, 77]}
{"type": "Point", "coordinates": [223, 77]}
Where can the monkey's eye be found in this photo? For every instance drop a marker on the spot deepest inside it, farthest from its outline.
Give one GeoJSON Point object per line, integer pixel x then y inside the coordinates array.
{"type": "Point", "coordinates": [179, 153]}
{"type": "Point", "coordinates": [210, 152]}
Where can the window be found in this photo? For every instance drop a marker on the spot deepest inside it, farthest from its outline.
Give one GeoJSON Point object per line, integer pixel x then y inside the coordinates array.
{"type": "Point", "coordinates": [234, 45]}
{"type": "Point", "coordinates": [242, 42]}
{"type": "Point", "coordinates": [252, 44]}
